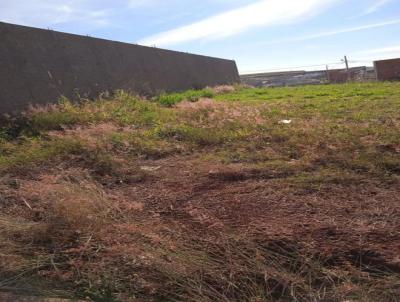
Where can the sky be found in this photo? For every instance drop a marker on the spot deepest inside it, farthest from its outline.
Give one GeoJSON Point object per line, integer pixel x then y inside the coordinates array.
{"type": "Point", "coordinates": [261, 35]}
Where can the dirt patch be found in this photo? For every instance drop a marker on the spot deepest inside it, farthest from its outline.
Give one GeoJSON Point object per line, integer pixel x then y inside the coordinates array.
{"type": "Point", "coordinates": [335, 218]}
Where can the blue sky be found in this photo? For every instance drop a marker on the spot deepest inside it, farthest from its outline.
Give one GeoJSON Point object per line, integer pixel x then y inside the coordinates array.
{"type": "Point", "coordinates": [258, 34]}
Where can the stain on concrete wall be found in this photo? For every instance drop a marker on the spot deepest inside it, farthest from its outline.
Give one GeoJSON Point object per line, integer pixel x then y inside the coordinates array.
{"type": "Point", "coordinates": [388, 70]}
{"type": "Point", "coordinates": [38, 66]}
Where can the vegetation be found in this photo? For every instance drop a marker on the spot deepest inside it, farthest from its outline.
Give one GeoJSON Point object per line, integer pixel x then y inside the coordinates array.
{"type": "Point", "coordinates": [172, 99]}
{"type": "Point", "coordinates": [221, 194]}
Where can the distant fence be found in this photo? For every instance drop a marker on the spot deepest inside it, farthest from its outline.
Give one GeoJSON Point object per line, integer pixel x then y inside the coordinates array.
{"type": "Point", "coordinates": [387, 70]}
{"type": "Point", "coordinates": [38, 66]}
{"type": "Point", "coordinates": [384, 70]}
{"type": "Point", "coordinates": [298, 78]}
{"type": "Point", "coordinates": [355, 74]}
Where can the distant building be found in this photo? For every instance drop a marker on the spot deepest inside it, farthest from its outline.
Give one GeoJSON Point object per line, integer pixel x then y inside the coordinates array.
{"type": "Point", "coordinates": [387, 70]}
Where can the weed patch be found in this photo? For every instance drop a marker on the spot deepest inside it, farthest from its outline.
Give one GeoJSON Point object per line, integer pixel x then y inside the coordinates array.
{"type": "Point", "coordinates": [172, 99]}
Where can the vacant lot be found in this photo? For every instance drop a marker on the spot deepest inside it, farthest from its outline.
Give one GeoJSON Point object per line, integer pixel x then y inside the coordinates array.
{"type": "Point", "coordinates": [225, 194]}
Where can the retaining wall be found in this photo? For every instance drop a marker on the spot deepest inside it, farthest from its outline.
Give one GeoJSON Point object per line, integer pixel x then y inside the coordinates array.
{"type": "Point", "coordinates": [38, 66]}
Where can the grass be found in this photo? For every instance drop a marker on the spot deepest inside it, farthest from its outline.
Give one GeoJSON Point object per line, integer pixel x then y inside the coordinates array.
{"type": "Point", "coordinates": [74, 177]}
{"type": "Point", "coordinates": [33, 151]}
{"type": "Point", "coordinates": [172, 99]}
{"type": "Point", "coordinates": [247, 121]}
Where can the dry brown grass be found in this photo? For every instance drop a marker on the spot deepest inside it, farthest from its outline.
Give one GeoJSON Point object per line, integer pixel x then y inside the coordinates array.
{"type": "Point", "coordinates": [223, 89]}
{"type": "Point", "coordinates": [59, 214]}
{"type": "Point", "coordinates": [208, 112]}
{"type": "Point", "coordinates": [247, 269]}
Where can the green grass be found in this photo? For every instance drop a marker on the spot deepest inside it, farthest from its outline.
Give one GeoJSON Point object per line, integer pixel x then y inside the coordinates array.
{"type": "Point", "coordinates": [352, 127]}
{"type": "Point", "coordinates": [171, 99]}
{"type": "Point", "coordinates": [122, 108]}
{"type": "Point", "coordinates": [36, 151]}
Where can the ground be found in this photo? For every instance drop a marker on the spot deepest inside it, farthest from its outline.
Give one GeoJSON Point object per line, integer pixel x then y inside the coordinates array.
{"type": "Point", "coordinates": [225, 194]}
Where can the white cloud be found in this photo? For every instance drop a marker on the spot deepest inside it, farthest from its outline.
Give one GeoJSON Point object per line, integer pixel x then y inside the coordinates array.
{"type": "Point", "coordinates": [331, 33]}
{"type": "Point", "coordinates": [376, 6]}
{"type": "Point", "coordinates": [259, 14]}
{"type": "Point", "coordinates": [46, 13]}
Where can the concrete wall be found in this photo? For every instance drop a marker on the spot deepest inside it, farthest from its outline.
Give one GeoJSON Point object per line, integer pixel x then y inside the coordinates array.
{"type": "Point", "coordinates": [388, 70]}
{"type": "Point", "coordinates": [37, 66]}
